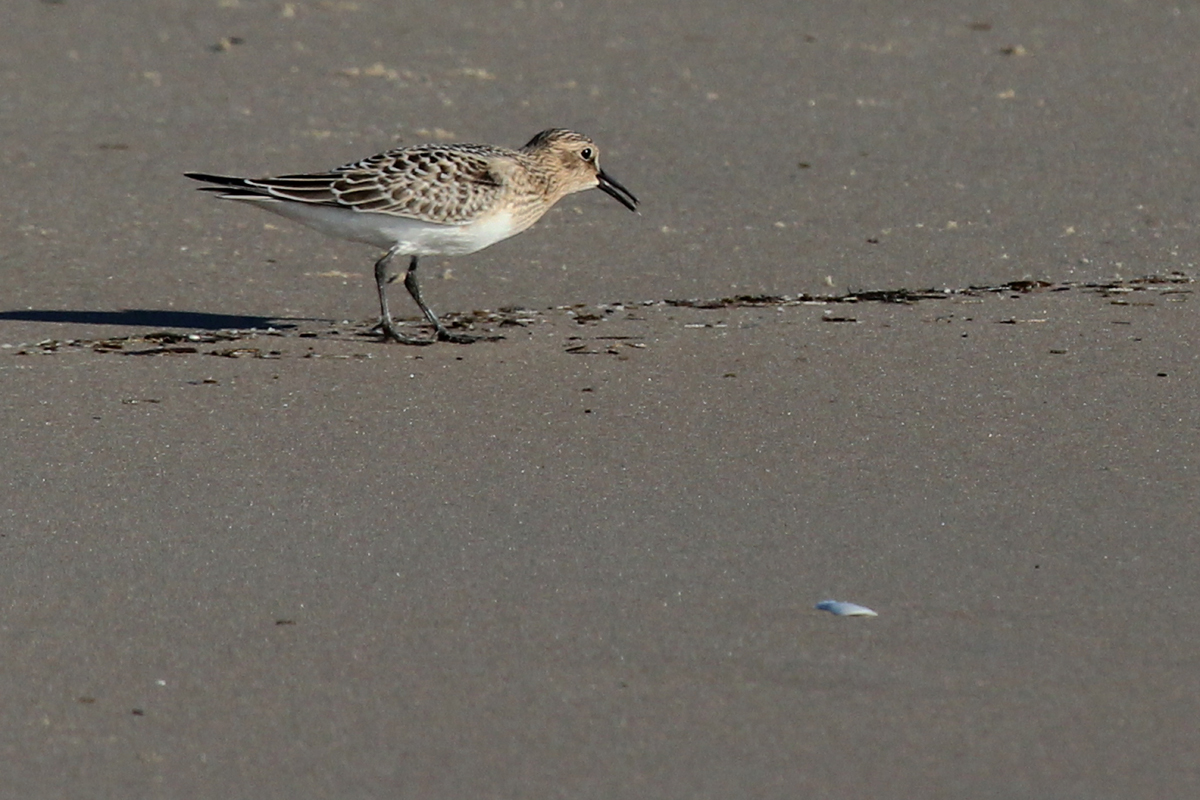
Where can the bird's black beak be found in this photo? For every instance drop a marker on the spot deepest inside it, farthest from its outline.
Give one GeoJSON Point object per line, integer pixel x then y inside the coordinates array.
{"type": "Point", "coordinates": [617, 191]}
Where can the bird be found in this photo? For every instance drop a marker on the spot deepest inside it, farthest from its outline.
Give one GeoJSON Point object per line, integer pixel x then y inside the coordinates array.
{"type": "Point", "coordinates": [431, 199]}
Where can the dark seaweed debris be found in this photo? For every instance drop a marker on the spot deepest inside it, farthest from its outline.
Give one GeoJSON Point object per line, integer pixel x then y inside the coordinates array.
{"type": "Point", "coordinates": [175, 343]}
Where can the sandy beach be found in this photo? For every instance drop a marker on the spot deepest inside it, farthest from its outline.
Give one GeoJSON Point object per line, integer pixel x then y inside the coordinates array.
{"type": "Point", "coordinates": [907, 320]}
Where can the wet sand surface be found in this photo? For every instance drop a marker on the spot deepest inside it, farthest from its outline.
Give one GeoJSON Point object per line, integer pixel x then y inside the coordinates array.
{"type": "Point", "coordinates": [247, 550]}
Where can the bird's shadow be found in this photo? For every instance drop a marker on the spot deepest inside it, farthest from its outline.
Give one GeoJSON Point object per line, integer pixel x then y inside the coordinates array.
{"type": "Point", "coordinates": [152, 318]}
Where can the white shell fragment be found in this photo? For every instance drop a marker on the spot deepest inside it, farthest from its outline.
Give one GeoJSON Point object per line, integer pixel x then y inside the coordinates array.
{"type": "Point", "coordinates": [845, 609]}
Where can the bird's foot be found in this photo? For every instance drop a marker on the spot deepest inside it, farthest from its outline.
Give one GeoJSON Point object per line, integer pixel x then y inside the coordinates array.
{"type": "Point", "coordinates": [444, 335]}
{"type": "Point", "coordinates": [391, 334]}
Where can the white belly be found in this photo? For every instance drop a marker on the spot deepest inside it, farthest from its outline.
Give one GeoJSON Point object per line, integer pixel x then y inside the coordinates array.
{"type": "Point", "coordinates": [410, 237]}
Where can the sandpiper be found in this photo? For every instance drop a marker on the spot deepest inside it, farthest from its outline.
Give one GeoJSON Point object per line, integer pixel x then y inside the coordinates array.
{"type": "Point", "coordinates": [431, 199]}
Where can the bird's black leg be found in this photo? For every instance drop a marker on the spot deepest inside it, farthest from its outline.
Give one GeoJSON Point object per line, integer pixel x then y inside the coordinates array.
{"type": "Point", "coordinates": [386, 324]}
{"type": "Point", "coordinates": [410, 283]}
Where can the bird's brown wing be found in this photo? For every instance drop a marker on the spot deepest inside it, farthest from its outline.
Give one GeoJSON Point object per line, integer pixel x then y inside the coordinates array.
{"type": "Point", "coordinates": [448, 184]}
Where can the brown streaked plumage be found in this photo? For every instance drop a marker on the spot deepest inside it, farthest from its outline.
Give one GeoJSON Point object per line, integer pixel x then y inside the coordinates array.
{"type": "Point", "coordinates": [431, 199]}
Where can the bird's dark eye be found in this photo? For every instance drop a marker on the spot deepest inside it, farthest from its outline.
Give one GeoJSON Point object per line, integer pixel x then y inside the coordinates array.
{"type": "Point", "coordinates": [587, 154]}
